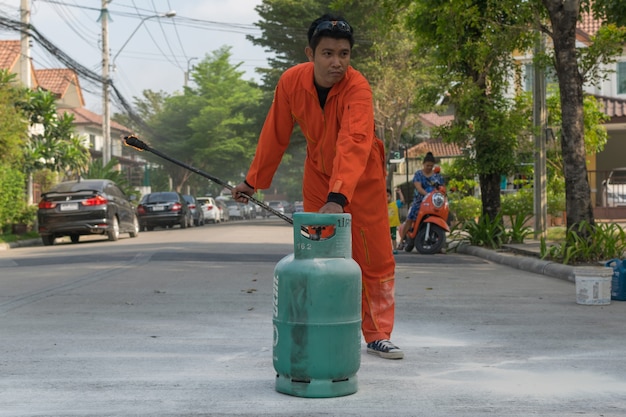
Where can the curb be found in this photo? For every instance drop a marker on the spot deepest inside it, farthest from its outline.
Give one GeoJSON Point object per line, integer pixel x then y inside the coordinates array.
{"type": "Point", "coordinates": [20, 244]}
{"type": "Point", "coordinates": [524, 263]}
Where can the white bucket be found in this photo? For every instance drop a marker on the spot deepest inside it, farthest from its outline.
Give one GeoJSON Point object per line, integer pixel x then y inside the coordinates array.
{"type": "Point", "coordinates": [593, 285]}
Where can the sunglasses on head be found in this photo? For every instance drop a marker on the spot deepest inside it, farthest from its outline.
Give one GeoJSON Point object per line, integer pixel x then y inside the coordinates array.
{"type": "Point", "coordinates": [332, 25]}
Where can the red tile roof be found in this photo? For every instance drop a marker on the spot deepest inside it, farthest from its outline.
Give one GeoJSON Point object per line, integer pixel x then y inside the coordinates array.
{"type": "Point", "coordinates": [437, 147]}
{"type": "Point", "coordinates": [435, 120]}
{"type": "Point", "coordinates": [615, 108]}
{"type": "Point", "coordinates": [83, 116]}
{"type": "Point", "coordinates": [58, 81]}
{"type": "Point", "coordinates": [589, 24]}
{"type": "Point", "coordinates": [9, 54]}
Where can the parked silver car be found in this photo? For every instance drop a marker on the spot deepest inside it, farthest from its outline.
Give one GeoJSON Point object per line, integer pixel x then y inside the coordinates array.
{"type": "Point", "coordinates": [614, 192]}
{"type": "Point", "coordinates": [196, 211]}
{"type": "Point", "coordinates": [282, 206]}
{"type": "Point", "coordinates": [235, 209]}
{"type": "Point", "coordinates": [224, 214]}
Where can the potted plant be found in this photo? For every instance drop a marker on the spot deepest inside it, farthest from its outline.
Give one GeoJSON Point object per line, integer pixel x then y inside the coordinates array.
{"type": "Point", "coordinates": [556, 207]}
{"type": "Point", "coordinates": [24, 220]}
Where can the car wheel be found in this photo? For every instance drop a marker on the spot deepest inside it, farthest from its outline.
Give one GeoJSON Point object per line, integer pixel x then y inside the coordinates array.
{"type": "Point", "coordinates": [114, 230]}
{"type": "Point", "coordinates": [48, 240]}
{"type": "Point", "coordinates": [135, 230]}
{"type": "Point", "coordinates": [149, 228]}
{"type": "Point", "coordinates": [74, 238]}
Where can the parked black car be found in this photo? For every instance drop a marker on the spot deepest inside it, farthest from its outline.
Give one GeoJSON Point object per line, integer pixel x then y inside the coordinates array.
{"type": "Point", "coordinates": [84, 207]}
{"type": "Point", "coordinates": [164, 208]}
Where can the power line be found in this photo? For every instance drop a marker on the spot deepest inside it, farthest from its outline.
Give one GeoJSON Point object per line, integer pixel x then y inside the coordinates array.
{"type": "Point", "coordinates": [75, 24]}
{"type": "Point", "coordinates": [70, 63]}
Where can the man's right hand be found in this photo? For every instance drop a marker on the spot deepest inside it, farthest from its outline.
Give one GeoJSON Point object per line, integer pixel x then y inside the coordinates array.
{"type": "Point", "coordinates": [240, 192]}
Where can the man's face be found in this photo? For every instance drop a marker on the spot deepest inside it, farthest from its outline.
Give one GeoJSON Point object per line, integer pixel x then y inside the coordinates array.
{"type": "Point", "coordinates": [331, 60]}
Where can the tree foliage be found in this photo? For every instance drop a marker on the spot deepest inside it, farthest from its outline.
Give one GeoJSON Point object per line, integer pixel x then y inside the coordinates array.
{"type": "Point", "coordinates": [52, 144]}
{"type": "Point", "coordinates": [12, 201]}
{"type": "Point", "coordinates": [96, 170]}
{"type": "Point", "coordinates": [471, 44]}
{"type": "Point", "coordinates": [574, 66]}
{"type": "Point", "coordinates": [209, 126]}
{"type": "Point", "coordinates": [12, 123]}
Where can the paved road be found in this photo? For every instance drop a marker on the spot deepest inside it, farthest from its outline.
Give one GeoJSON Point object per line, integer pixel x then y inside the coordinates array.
{"type": "Point", "coordinates": [178, 323]}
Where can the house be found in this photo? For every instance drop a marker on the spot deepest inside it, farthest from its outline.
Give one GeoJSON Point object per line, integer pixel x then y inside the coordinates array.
{"type": "Point", "coordinates": [443, 152]}
{"type": "Point", "coordinates": [611, 94]}
{"type": "Point", "coordinates": [10, 58]}
{"type": "Point", "coordinates": [64, 84]}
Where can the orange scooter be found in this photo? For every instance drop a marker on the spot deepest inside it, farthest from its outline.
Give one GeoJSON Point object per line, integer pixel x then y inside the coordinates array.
{"type": "Point", "coordinates": [428, 232]}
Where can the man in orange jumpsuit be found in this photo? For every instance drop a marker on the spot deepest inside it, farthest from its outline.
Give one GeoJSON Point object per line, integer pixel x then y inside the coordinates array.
{"type": "Point", "coordinates": [344, 169]}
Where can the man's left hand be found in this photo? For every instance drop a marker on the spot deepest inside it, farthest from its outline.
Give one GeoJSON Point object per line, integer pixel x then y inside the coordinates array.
{"type": "Point", "coordinates": [331, 208]}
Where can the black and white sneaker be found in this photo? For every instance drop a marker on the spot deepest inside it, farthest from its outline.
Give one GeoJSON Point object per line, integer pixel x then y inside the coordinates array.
{"type": "Point", "coordinates": [385, 349]}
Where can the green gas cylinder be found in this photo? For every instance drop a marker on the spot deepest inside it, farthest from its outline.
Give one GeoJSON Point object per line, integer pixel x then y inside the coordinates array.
{"type": "Point", "coordinates": [317, 310]}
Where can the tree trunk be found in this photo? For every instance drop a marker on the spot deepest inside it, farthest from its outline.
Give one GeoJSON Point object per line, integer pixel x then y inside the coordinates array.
{"type": "Point", "coordinates": [490, 194]}
{"type": "Point", "coordinates": [563, 17]}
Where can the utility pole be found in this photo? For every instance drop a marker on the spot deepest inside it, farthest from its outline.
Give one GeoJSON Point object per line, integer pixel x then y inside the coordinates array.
{"type": "Point", "coordinates": [25, 73]}
{"type": "Point", "coordinates": [539, 121]}
{"type": "Point", "coordinates": [25, 45]}
{"type": "Point", "coordinates": [106, 105]}
{"type": "Point", "coordinates": [188, 70]}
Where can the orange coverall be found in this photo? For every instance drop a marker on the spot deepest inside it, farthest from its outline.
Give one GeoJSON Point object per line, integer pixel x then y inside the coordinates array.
{"type": "Point", "coordinates": [343, 156]}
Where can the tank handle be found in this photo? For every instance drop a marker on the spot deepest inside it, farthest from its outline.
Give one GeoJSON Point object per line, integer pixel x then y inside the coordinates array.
{"type": "Point", "coordinates": [319, 226]}
{"type": "Point", "coordinates": [318, 232]}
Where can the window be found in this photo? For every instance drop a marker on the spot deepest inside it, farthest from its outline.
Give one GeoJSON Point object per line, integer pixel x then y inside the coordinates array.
{"type": "Point", "coordinates": [621, 78]}
{"type": "Point", "coordinates": [529, 77]}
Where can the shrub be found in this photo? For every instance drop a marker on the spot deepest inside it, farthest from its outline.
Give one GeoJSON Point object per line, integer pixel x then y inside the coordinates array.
{"type": "Point", "coordinates": [586, 243]}
{"type": "Point", "coordinates": [556, 204]}
{"type": "Point", "coordinates": [11, 195]}
{"type": "Point", "coordinates": [464, 208]}
{"type": "Point", "coordinates": [519, 203]}
{"type": "Point", "coordinates": [484, 232]}
{"type": "Point", "coordinates": [518, 207]}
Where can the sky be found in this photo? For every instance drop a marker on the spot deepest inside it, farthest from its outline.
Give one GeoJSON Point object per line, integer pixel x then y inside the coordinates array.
{"type": "Point", "coordinates": [151, 51]}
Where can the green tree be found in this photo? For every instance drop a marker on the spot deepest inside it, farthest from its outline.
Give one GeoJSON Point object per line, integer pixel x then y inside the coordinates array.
{"type": "Point", "coordinates": [209, 126]}
{"type": "Point", "coordinates": [471, 44]}
{"type": "Point", "coordinates": [574, 67]}
{"type": "Point", "coordinates": [95, 170]}
{"type": "Point", "coordinates": [595, 134]}
{"type": "Point", "coordinates": [12, 123]}
{"type": "Point", "coordinates": [52, 144]}
{"type": "Point", "coordinates": [146, 108]}
{"type": "Point", "coordinates": [12, 201]}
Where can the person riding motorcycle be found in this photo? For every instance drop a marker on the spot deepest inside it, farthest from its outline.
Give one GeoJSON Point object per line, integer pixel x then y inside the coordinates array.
{"type": "Point", "coordinates": [423, 180]}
